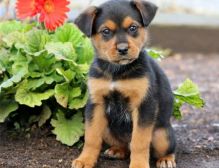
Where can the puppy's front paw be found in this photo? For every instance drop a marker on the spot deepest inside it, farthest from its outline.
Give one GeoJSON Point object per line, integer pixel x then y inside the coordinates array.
{"type": "Point", "coordinates": [139, 165]}
{"type": "Point", "coordinates": [79, 163]}
{"type": "Point", "coordinates": [167, 162]}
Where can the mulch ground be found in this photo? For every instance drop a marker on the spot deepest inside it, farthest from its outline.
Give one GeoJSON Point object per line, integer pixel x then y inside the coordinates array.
{"type": "Point", "coordinates": [197, 134]}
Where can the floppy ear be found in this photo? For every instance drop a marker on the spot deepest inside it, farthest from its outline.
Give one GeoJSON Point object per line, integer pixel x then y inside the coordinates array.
{"type": "Point", "coordinates": [146, 9]}
{"type": "Point", "coordinates": [86, 19]}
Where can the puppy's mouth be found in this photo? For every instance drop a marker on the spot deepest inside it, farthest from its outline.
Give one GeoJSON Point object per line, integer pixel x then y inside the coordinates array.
{"type": "Point", "coordinates": [125, 61]}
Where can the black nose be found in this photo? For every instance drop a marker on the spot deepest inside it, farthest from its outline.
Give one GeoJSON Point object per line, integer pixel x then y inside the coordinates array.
{"type": "Point", "coordinates": [122, 48]}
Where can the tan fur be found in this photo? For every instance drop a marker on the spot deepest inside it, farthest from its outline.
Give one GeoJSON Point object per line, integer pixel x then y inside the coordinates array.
{"type": "Point", "coordinates": [111, 140]}
{"type": "Point", "coordinates": [128, 21]}
{"type": "Point", "coordinates": [106, 49]}
{"type": "Point", "coordinates": [140, 143]}
{"type": "Point", "coordinates": [98, 89]}
{"type": "Point", "coordinates": [108, 24]}
{"type": "Point", "coordinates": [134, 89]}
{"type": "Point", "coordinates": [160, 142]}
{"type": "Point", "coordinates": [136, 44]}
{"type": "Point", "coordinates": [94, 131]}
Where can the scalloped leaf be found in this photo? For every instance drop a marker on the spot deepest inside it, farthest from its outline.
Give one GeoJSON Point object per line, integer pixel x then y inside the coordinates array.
{"type": "Point", "coordinates": [26, 97]}
{"type": "Point", "coordinates": [188, 92]}
{"type": "Point", "coordinates": [36, 41]}
{"type": "Point", "coordinates": [13, 80]}
{"type": "Point", "coordinates": [7, 106]}
{"type": "Point", "coordinates": [45, 114]}
{"type": "Point", "coordinates": [69, 33]}
{"type": "Point", "coordinates": [85, 52]}
{"type": "Point", "coordinates": [17, 38]}
{"type": "Point", "coordinates": [62, 51]}
{"type": "Point", "coordinates": [64, 93]}
{"type": "Point", "coordinates": [77, 103]}
{"type": "Point", "coordinates": [68, 131]}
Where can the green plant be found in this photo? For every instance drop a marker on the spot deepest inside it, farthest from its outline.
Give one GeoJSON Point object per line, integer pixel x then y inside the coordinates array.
{"type": "Point", "coordinates": [44, 69]}
{"type": "Point", "coordinates": [186, 93]}
{"type": "Point", "coordinates": [43, 78]}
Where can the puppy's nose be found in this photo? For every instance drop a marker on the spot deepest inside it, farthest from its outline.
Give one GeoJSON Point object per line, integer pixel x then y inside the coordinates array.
{"type": "Point", "coordinates": [122, 48]}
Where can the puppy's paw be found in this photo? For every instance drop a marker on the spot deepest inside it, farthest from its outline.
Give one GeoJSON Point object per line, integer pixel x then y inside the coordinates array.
{"type": "Point", "coordinates": [116, 153]}
{"type": "Point", "coordinates": [167, 162]}
{"type": "Point", "coordinates": [78, 163]}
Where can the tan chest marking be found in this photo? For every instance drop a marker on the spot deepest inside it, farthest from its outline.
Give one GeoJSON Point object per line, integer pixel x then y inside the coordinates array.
{"type": "Point", "coordinates": [134, 89]}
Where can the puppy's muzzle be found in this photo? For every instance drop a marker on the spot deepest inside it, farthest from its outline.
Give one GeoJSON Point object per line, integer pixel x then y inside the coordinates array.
{"type": "Point", "coordinates": [122, 49]}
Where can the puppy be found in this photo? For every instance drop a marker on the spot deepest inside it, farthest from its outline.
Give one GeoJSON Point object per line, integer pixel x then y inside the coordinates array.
{"type": "Point", "coordinates": [130, 99]}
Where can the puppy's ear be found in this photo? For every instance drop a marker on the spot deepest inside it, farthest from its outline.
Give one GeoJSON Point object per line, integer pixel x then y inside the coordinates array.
{"type": "Point", "coordinates": [146, 9]}
{"type": "Point", "coordinates": [86, 19]}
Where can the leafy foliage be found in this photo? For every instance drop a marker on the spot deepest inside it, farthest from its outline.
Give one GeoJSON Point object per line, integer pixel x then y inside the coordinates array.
{"type": "Point", "coordinates": [189, 93]}
{"type": "Point", "coordinates": [68, 131]}
{"type": "Point", "coordinates": [38, 68]}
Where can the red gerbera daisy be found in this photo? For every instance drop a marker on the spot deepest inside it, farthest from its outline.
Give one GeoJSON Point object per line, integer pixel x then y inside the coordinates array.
{"type": "Point", "coordinates": [53, 13]}
{"type": "Point", "coordinates": [27, 8]}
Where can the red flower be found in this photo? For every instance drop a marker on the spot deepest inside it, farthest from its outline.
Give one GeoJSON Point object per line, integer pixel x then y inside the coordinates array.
{"type": "Point", "coordinates": [52, 12]}
{"type": "Point", "coordinates": [26, 8]}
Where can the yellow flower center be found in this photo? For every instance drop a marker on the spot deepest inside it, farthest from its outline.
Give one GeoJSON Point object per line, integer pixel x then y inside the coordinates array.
{"type": "Point", "coordinates": [49, 6]}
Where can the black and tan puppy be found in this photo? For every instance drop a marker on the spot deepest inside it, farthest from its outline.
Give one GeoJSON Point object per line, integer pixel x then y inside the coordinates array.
{"type": "Point", "coordinates": [131, 101]}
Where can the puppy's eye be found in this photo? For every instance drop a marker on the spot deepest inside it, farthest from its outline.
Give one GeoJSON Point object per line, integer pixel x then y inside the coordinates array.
{"type": "Point", "coordinates": [133, 29]}
{"type": "Point", "coordinates": [106, 32]}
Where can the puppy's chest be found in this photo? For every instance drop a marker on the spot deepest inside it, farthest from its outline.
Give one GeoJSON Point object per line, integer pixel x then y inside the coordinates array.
{"type": "Point", "coordinates": [133, 90]}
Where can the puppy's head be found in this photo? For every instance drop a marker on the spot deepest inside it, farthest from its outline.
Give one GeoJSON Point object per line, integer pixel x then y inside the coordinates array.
{"type": "Point", "coordinates": [118, 28]}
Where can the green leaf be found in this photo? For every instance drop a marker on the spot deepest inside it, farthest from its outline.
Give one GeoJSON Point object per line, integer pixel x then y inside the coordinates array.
{"type": "Point", "coordinates": [78, 103]}
{"type": "Point", "coordinates": [188, 92]}
{"type": "Point", "coordinates": [64, 93]}
{"type": "Point", "coordinates": [36, 41]}
{"type": "Point", "coordinates": [44, 116]}
{"type": "Point", "coordinates": [4, 59]}
{"type": "Point", "coordinates": [62, 51]}
{"type": "Point", "coordinates": [187, 88]}
{"type": "Point", "coordinates": [85, 52]}
{"type": "Point", "coordinates": [68, 131]}
{"type": "Point", "coordinates": [43, 65]}
{"type": "Point", "coordinates": [7, 106]}
{"type": "Point", "coordinates": [68, 75]}
{"type": "Point", "coordinates": [26, 97]}
{"type": "Point", "coordinates": [69, 33]}
{"type": "Point", "coordinates": [17, 38]}
{"type": "Point", "coordinates": [12, 26]}
{"type": "Point", "coordinates": [196, 100]}
{"type": "Point", "coordinates": [13, 80]}
{"type": "Point", "coordinates": [177, 112]}
{"type": "Point", "coordinates": [155, 54]}
{"type": "Point", "coordinates": [33, 84]}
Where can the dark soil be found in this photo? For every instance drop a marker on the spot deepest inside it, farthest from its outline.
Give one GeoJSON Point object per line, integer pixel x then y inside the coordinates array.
{"type": "Point", "coordinates": [197, 134]}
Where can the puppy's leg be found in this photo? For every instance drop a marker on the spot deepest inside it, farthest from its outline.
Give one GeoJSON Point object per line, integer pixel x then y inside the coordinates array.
{"type": "Point", "coordinates": [163, 143]}
{"type": "Point", "coordinates": [94, 130]}
{"type": "Point", "coordinates": [118, 150]}
{"type": "Point", "coordinates": [140, 143]}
